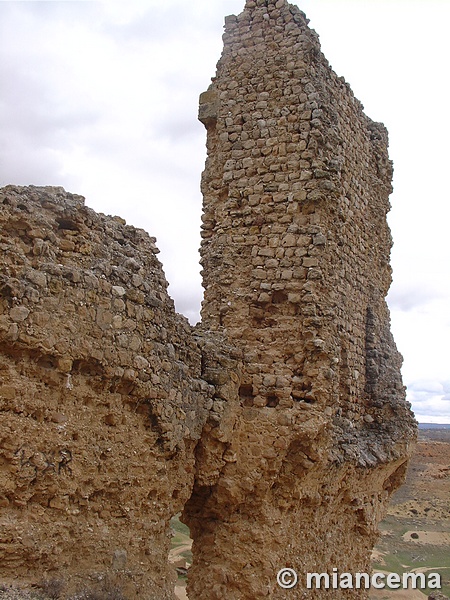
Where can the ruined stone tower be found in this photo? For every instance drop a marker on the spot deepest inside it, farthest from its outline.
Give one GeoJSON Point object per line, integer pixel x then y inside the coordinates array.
{"type": "Point", "coordinates": [279, 425]}
{"type": "Point", "coordinates": [295, 258]}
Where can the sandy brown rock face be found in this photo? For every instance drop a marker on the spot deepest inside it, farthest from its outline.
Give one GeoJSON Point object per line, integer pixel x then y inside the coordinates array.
{"type": "Point", "coordinates": [279, 425]}
{"type": "Point", "coordinates": [295, 254]}
{"type": "Point", "coordinates": [101, 398]}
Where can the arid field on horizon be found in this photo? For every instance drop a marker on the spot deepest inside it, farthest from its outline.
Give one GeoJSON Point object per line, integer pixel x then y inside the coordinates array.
{"type": "Point", "coordinates": [415, 535]}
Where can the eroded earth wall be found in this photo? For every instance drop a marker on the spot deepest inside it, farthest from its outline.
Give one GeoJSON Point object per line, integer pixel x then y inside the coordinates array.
{"type": "Point", "coordinates": [101, 398]}
{"type": "Point", "coordinates": [279, 426]}
{"type": "Point", "coordinates": [295, 258]}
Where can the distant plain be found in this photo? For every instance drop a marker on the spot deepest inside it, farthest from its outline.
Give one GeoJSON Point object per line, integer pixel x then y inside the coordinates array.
{"type": "Point", "coordinates": [415, 535]}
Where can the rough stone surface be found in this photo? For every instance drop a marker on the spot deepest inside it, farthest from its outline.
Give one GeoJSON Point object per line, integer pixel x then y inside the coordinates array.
{"type": "Point", "coordinates": [279, 425]}
{"type": "Point", "coordinates": [295, 255]}
{"type": "Point", "coordinates": [101, 397]}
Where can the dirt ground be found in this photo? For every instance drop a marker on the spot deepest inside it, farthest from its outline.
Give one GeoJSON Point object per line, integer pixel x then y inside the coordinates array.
{"type": "Point", "coordinates": [180, 592]}
{"type": "Point", "coordinates": [182, 546]}
{"type": "Point", "coordinates": [434, 538]}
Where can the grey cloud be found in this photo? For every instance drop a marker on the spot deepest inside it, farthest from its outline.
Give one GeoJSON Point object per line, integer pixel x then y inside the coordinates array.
{"type": "Point", "coordinates": [67, 9]}
{"type": "Point", "coordinates": [156, 24]}
{"type": "Point", "coordinates": [38, 166]}
{"type": "Point", "coordinates": [187, 301]}
{"type": "Point", "coordinates": [174, 20]}
{"type": "Point", "coordinates": [407, 297]}
{"type": "Point", "coordinates": [426, 387]}
{"type": "Point", "coordinates": [429, 399]}
{"type": "Point", "coordinates": [39, 117]}
{"type": "Point", "coordinates": [177, 128]}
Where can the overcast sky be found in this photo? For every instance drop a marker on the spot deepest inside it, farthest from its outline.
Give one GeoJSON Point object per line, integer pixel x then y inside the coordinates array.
{"type": "Point", "coordinates": [101, 98]}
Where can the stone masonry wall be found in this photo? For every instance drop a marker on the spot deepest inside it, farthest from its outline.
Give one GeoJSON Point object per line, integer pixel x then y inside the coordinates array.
{"type": "Point", "coordinates": [101, 398]}
{"type": "Point", "coordinates": [295, 258]}
{"type": "Point", "coordinates": [279, 425]}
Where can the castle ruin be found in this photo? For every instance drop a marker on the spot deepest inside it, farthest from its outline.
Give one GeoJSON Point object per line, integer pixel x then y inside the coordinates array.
{"type": "Point", "coordinates": [279, 425]}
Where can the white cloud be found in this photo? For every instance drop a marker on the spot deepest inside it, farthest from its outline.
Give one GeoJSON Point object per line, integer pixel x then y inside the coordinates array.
{"type": "Point", "coordinates": [431, 402]}
{"type": "Point", "coordinates": [414, 294]}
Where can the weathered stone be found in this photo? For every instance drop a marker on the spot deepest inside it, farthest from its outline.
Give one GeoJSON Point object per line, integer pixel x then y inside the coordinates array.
{"type": "Point", "coordinates": [93, 461]}
{"type": "Point", "coordinates": [19, 313]}
{"type": "Point", "coordinates": [311, 497]}
{"type": "Point", "coordinates": [118, 290]}
{"type": "Point", "coordinates": [279, 426]}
